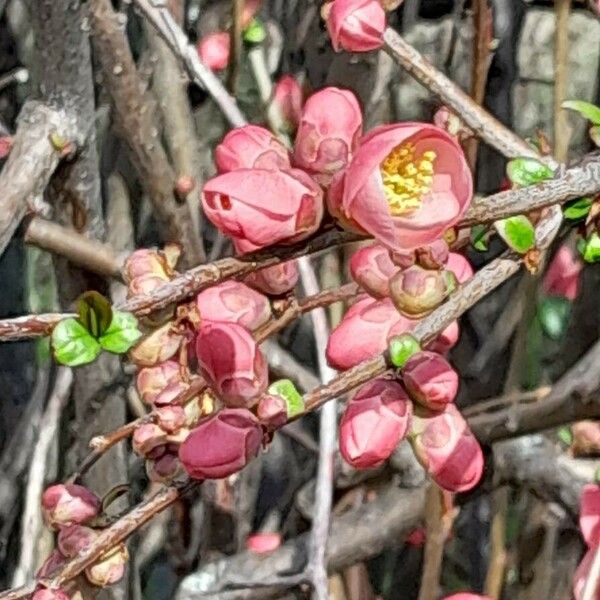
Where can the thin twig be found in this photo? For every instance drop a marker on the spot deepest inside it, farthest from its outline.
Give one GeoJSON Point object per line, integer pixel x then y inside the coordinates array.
{"type": "Point", "coordinates": [562, 10]}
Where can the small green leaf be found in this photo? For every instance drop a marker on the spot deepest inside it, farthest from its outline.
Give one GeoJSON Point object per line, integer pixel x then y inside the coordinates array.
{"type": "Point", "coordinates": [95, 312]}
{"type": "Point", "coordinates": [293, 399]}
{"type": "Point", "coordinates": [527, 171]}
{"type": "Point", "coordinates": [554, 313]}
{"type": "Point", "coordinates": [122, 333]}
{"type": "Point", "coordinates": [401, 348]}
{"type": "Point", "coordinates": [590, 248]}
{"type": "Point", "coordinates": [597, 475]}
{"type": "Point", "coordinates": [479, 235]}
{"type": "Point", "coordinates": [587, 110]}
{"type": "Point", "coordinates": [72, 344]}
{"type": "Point", "coordinates": [255, 33]}
{"type": "Point", "coordinates": [577, 209]}
{"type": "Point", "coordinates": [565, 436]}
{"type": "Point", "coordinates": [517, 232]}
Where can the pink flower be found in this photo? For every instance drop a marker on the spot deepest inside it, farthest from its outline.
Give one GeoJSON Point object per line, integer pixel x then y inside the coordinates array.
{"type": "Point", "coordinates": [364, 332]}
{"type": "Point", "coordinates": [110, 568]}
{"type": "Point", "coordinates": [214, 50]}
{"type": "Point", "coordinates": [446, 340]}
{"type": "Point", "coordinates": [448, 451]}
{"type": "Point", "coordinates": [222, 444]}
{"type": "Point", "coordinates": [416, 291]}
{"type": "Point", "coordinates": [250, 147]}
{"type": "Point", "coordinates": [264, 207]}
{"type": "Point", "coordinates": [231, 362]}
{"type": "Point", "coordinates": [372, 267]}
{"type": "Point", "coordinates": [277, 280]}
{"type": "Point", "coordinates": [75, 539]}
{"type": "Point", "coordinates": [272, 411]}
{"type": "Point", "coordinates": [586, 438]}
{"type": "Point", "coordinates": [466, 596]}
{"type": "Point", "coordinates": [430, 380]}
{"type": "Point", "coordinates": [50, 594]}
{"type": "Point", "coordinates": [151, 381]}
{"type": "Point", "coordinates": [406, 185]}
{"type": "Point", "coordinates": [69, 504]}
{"type": "Point", "coordinates": [589, 514]}
{"type": "Point", "coordinates": [374, 422]}
{"type": "Point", "coordinates": [263, 543]}
{"type": "Point", "coordinates": [460, 266]}
{"type": "Point", "coordinates": [234, 302]}
{"type": "Point", "coordinates": [288, 97]}
{"type": "Point", "coordinates": [6, 144]}
{"type": "Point", "coordinates": [564, 274]}
{"type": "Point", "coordinates": [417, 537]}
{"type": "Point", "coordinates": [329, 130]}
{"type": "Point", "coordinates": [356, 25]}
{"type": "Point", "coordinates": [582, 574]}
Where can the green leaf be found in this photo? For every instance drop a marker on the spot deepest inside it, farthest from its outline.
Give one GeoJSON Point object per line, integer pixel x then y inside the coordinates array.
{"type": "Point", "coordinates": [122, 333]}
{"type": "Point", "coordinates": [597, 475]}
{"type": "Point", "coordinates": [255, 33]}
{"type": "Point", "coordinates": [401, 348]}
{"type": "Point", "coordinates": [589, 111]}
{"type": "Point", "coordinates": [95, 312]}
{"type": "Point", "coordinates": [527, 171]}
{"type": "Point", "coordinates": [577, 209]}
{"type": "Point", "coordinates": [517, 232]}
{"type": "Point", "coordinates": [565, 436]}
{"type": "Point", "coordinates": [479, 235]}
{"type": "Point", "coordinates": [72, 344]}
{"type": "Point", "coordinates": [590, 249]}
{"type": "Point", "coordinates": [293, 399]}
{"type": "Point", "coordinates": [554, 313]}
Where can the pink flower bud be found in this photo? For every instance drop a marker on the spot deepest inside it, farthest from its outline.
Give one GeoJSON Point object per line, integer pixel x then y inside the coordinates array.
{"type": "Point", "coordinates": [433, 256]}
{"type": "Point", "coordinates": [356, 25]}
{"type": "Point", "coordinates": [50, 594]}
{"type": "Point", "coordinates": [448, 451]}
{"type": "Point", "coordinates": [75, 539]}
{"type": "Point", "coordinates": [445, 119]}
{"type": "Point", "coordinates": [277, 280]}
{"type": "Point", "coordinates": [69, 504]}
{"type": "Point", "coordinates": [288, 98]}
{"type": "Point", "coordinates": [589, 514]}
{"type": "Point", "coordinates": [184, 186]}
{"type": "Point", "coordinates": [250, 147]}
{"type": "Point", "coordinates": [231, 362]}
{"type": "Point", "coordinates": [263, 543]}
{"type": "Point", "coordinates": [170, 393]}
{"type": "Point", "coordinates": [221, 444]}
{"type": "Point", "coordinates": [146, 262]}
{"type": "Point", "coordinates": [417, 291]}
{"type": "Point", "coordinates": [264, 207]}
{"type": "Point", "coordinates": [6, 144]}
{"type": "Point", "coordinates": [156, 347]}
{"type": "Point", "coordinates": [170, 418]}
{"type": "Point", "coordinates": [147, 437]}
{"type": "Point", "coordinates": [374, 422]}
{"type": "Point", "coordinates": [467, 596]}
{"type": "Point", "coordinates": [165, 469]}
{"type": "Point", "coordinates": [582, 574]}
{"type": "Point", "coordinates": [110, 568]}
{"type": "Point", "coordinates": [446, 340]}
{"type": "Point", "coordinates": [364, 332]}
{"type": "Point", "coordinates": [372, 267]}
{"type": "Point", "coordinates": [460, 266]}
{"type": "Point", "coordinates": [272, 411]}
{"type": "Point", "coordinates": [234, 302]}
{"type": "Point", "coordinates": [563, 275]}
{"type": "Point", "coordinates": [404, 258]}
{"type": "Point", "coordinates": [55, 561]}
{"type": "Point", "coordinates": [430, 380]}
{"type": "Point", "coordinates": [417, 537]}
{"type": "Point", "coordinates": [214, 50]}
{"type": "Point", "coordinates": [151, 381]}
{"type": "Point", "coordinates": [586, 438]}
{"type": "Point", "coordinates": [329, 130]}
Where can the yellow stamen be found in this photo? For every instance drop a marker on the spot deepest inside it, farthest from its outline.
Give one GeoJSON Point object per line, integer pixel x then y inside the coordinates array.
{"type": "Point", "coordinates": [407, 177]}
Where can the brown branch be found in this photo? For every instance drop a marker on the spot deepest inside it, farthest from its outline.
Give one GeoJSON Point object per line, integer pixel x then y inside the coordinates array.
{"type": "Point", "coordinates": [562, 131]}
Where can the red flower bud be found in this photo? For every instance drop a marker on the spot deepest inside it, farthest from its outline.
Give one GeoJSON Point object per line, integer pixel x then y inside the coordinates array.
{"type": "Point", "coordinates": [69, 504]}
{"type": "Point", "coordinates": [75, 539]}
{"type": "Point", "coordinates": [263, 543]}
{"type": "Point", "coordinates": [288, 98]}
{"type": "Point", "coordinates": [50, 594]}
{"type": "Point", "coordinates": [374, 422]}
{"type": "Point", "coordinates": [563, 275]}
{"type": "Point", "coordinates": [589, 514]}
{"type": "Point", "coordinates": [231, 362]}
{"type": "Point", "coordinates": [214, 50]}
{"type": "Point", "coordinates": [165, 469]}
{"type": "Point", "coordinates": [430, 380]}
{"type": "Point", "coordinates": [250, 147]}
{"type": "Point", "coordinates": [372, 267]}
{"type": "Point", "coordinates": [417, 291]}
{"type": "Point", "coordinates": [151, 381]}
{"type": "Point", "coordinates": [221, 444]}
{"type": "Point", "coordinates": [234, 302]}
{"type": "Point", "coordinates": [445, 446]}
{"type": "Point", "coordinates": [276, 280]}
{"type": "Point", "coordinates": [110, 568]}
{"type": "Point", "coordinates": [6, 144]}
{"type": "Point", "coordinates": [272, 411]}
{"type": "Point", "coordinates": [355, 25]}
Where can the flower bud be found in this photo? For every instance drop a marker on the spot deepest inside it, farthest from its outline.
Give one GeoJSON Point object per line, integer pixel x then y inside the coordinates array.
{"type": "Point", "coordinates": [214, 50]}
{"type": "Point", "coordinates": [272, 411]}
{"type": "Point", "coordinates": [355, 25]}
{"type": "Point", "coordinates": [372, 267]}
{"type": "Point", "coordinates": [263, 543]}
{"type": "Point", "coordinates": [165, 469]}
{"type": "Point", "coordinates": [221, 444]}
{"type": "Point", "coordinates": [6, 144]}
{"type": "Point", "coordinates": [445, 119]}
{"type": "Point", "coordinates": [563, 275]}
{"type": "Point", "coordinates": [250, 147]}
{"type": "Point", "coordinates": [467, 596]}
{"type": "Point", "coordinates": [329, 130]}
{"type": "Point", "coordinates": [69, 504]}
{"type": "Point", "coordinates": [231, 362]}
{"type": "Point", "coordinates": [446, 340]}
{"type": "Point", "coordinates": [586, 438]}
{"type": "Point", "coordinates": [404, 258]}
{"type": "Point", "coordinates": [151, 381]}
{"type": "Point", "coordinates": [170, 393]}
{"type": "Point", "coordinates": [460, 266]}
{"type": "Point", "coordinates": [582, 574]}
{"type": "Point", "coordinates": [144, 262]}
{"type": "Point", "coordinates": [170, 418]}
{"type": "Point", "coordinates": [110, 568]}
{"type": "Point", "coordinates": [53, 562]}
{"type": "Point", "coordinates": [430, 380]}
{"type": "Point", "coordinates": [156, 347]}
{"type": "Point", "coordinates": [448, 451]}
{"type": "Point", "coordinates": [234, 302]}
{"type": "Point", "coordinates": [288, 98]}
{"type": "Point", "coordinates": [75, 539]}
{"type": "Point", "coordinates": [374, 422]}
{"type": "Point", "coordinates": [417, 291]}
{"type": "Point", "coordinates": [277, 280]}
{"type": "Point", "coordinates": [147, 437]}
{"type": "Point", "coordinates": [184, 186]}
{"type": "Point", "coordinates": [589, 514]}
{"type": "Point", "coordinates": [50, 594]}
{"type": "Point", "coordinates": [432, 256]}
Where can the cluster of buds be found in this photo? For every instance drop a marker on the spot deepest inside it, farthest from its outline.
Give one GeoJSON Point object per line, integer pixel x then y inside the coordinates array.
{"type": "Point", "coordinates": [71, 510]}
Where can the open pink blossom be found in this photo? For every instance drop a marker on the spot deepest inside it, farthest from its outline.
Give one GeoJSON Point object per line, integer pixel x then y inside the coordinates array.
{"type": "Point", "coordinates": [263, 543]}
{"type": "Point", "coordinates": [250, 147]}
{"type": "Point", "coordinates": [288, 98]}
{"type": "Point", "coordinates": [231, 362]}
{"type": "Point", "coordinates": [214, 50]}
{"type": "Point", "coordinates": [355, 25]}
{"type": "Point", "coordinates": [221, 444]}
{"type": "Point", "coordinates": [329, 130]}
{"type": "Point", "coordinates": [372, 267]}
{"type": "Point", "coordinates": [69, 504]}
{"type": "Point", "coordinates": [375, 420]}
{"type": "Point", "coordinates": [430, 380]}
{"type": "Point", "coordinates": [460, 266]}
{"type": "Point", "coordinates": [448, 451]}
{"type": "Point", "coordinates": [264, 207]}
{"type": "Point", "coordinates": [406, 185]}
{"type": "Point", "coordinates": [564, 274]}
{"type": "Point", "coordinates": [234, 302]}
